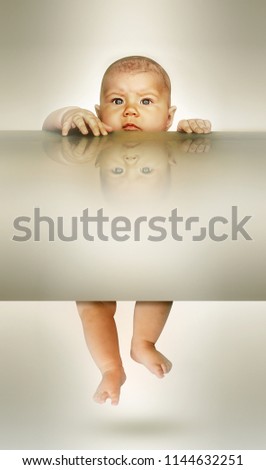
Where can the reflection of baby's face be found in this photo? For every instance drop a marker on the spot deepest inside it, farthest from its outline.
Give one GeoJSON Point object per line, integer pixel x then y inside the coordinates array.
{"type": "Point", "coordinates": [134, 167]}
{"type": "Point", "coordinates": [135, 102]}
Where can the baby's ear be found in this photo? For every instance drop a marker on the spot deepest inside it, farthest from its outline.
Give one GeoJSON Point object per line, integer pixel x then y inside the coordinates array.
{"type": "Point", "coordinates": [97, 109]}
{"type": "Point", "coordinates": [171, 113]}
{"type": "Point", "coordinates": [171, 151]}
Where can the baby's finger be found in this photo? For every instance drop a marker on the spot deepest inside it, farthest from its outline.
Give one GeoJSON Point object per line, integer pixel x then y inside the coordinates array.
{"type": "Point", "coordinates": [93, 149]}
{"type": "Point", "coordinates": [93, 123]}
{"type": "Point", "coordinates": [200, 124]}
{"type": "Point", "coordinates": [80, 148]}
{"type": "Point", "coordinates": [208, 126]}
{"type": "Point", "coordinates": [185, 145]}
{"type": "Point", "coordinates": [104, 128]}
{"type": "Point", "coordinates": [107, 127]}
{"type": "Point", "coordinates": [201, 148]}
{"type": "Point", "coordinates": [201, 145]}
{"type": "Point", "coordinates": [195, 126]}
{"type": "Point", "coordinates": [98, 127]}
{"type": "Point", "coordinates": [184, 126]}
{"type": "Point", "coordinates": [66, 126]}
{"type": "Point", "coordinates": [79, 121]}
{"type": "Point", "coordinates": [193, 147]}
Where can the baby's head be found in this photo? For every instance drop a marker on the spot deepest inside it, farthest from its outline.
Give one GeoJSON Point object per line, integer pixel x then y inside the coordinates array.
{"type": "Point", "coordinates": [136, 96]}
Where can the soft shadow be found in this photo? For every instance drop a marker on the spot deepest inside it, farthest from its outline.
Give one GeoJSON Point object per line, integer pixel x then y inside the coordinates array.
{"type": "Point", "coordinates": [129, 427]}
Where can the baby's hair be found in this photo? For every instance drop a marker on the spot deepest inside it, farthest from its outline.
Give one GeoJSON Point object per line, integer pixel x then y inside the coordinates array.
{"type": "Point", "coordinates": [136, 63]}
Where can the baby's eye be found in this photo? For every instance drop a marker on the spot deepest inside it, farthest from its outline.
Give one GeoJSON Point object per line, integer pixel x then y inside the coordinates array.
{"type": "Point", "coordinates": [146, 170]}
{"type": "Point", "coordinates": [146, 101]}
{"type": "Point", "coordinates": [117, 101]}
{"type": "Point", "coordinates": [117, 170]}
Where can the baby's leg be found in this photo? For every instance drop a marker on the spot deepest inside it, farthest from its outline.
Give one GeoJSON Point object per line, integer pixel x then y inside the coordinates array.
{"type": "Point", "coordinates": [102, 341]}
{"type": "Point", "coordinates": [149, 320]}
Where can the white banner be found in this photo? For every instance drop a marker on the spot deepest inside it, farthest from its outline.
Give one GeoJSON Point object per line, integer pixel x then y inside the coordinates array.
{"type": "Point", "coordinates": [159, 459]}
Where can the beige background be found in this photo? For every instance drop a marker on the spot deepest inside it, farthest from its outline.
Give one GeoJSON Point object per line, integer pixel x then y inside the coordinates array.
{"type": "Point", "coordinates": [54, 53]}
{"type": "Point", "coordinates": [214, 397]}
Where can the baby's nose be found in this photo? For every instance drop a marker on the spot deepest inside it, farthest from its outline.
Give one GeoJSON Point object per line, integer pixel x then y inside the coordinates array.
{"type": "Point", "coordinates": [131, 110]}
{"type": "Point", "coordinates": [130, 159]}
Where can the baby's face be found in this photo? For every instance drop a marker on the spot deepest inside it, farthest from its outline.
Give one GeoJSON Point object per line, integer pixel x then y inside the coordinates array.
{"type": "Point", "coordinates": [133, 170]}
{"type": "Point", "coordinates": [135, 102]}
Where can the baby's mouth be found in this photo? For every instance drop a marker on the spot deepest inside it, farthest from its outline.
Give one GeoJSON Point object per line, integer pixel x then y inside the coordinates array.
{"type": "Point", "coordinates": [131, 127]}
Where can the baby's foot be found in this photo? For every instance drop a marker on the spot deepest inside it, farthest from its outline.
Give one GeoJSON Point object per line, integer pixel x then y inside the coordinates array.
{"type": "Point", "coordinates": [145, 353]}
{"type": "Point", "coordinates": [109, 388]}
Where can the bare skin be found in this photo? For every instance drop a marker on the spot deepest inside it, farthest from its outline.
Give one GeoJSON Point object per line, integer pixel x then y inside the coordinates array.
{"type": "Point", "coordinates": [110, 385]}
{"type": "Point", "coordinates": [102, 340]}
{"type": "Point", "coordinates": [86, 122]}
{"type": "Point", "coordinates": [149, 321]}
{"type": "Point", "coordinates": [131, 109]}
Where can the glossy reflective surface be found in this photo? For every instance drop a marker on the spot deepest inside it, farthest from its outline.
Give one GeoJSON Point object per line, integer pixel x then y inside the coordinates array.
{"type": "Point", "coordinates": [133, 216]}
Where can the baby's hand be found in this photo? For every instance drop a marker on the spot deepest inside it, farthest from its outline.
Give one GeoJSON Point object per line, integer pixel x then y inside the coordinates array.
{"type": "Point", "coordinates": [199, 126]}
{"type": "Point", "coordinates": [83, 120]}
{"type": "Point", "coordinates": [80, 150]}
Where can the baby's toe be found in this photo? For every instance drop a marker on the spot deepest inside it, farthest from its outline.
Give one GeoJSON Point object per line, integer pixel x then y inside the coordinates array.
{"type": "Point", "coordinates": [158, 371]}
{"type": "Point", "coordinates": [114, 396]}
{"type": "Point", "coordinates": [166, 367]}
{"type": "Point", "coordinates": [114, 400]}
{"type": "Point", "coordinates": [100, 397]}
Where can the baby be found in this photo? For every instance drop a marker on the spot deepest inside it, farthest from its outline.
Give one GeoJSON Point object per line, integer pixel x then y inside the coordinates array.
{"type": "Point", "coordinates": [135, 96]}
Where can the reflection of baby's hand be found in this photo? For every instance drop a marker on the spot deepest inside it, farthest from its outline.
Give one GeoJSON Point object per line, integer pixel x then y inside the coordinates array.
{"type": "Point", "coordinates": [83, 120]}
{"type": "Point", "coordinates": [199, 145]}
{"type": "Point", "coordinates": [199, 126]}
{"type": "Point", "coordinates": [81, 150]}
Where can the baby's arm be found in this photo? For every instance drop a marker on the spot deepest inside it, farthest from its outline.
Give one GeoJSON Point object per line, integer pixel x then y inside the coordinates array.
{"type": "Point", "coordinates": [199, 126]}
{"type": "Point", "coordinates": [73, 117]}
